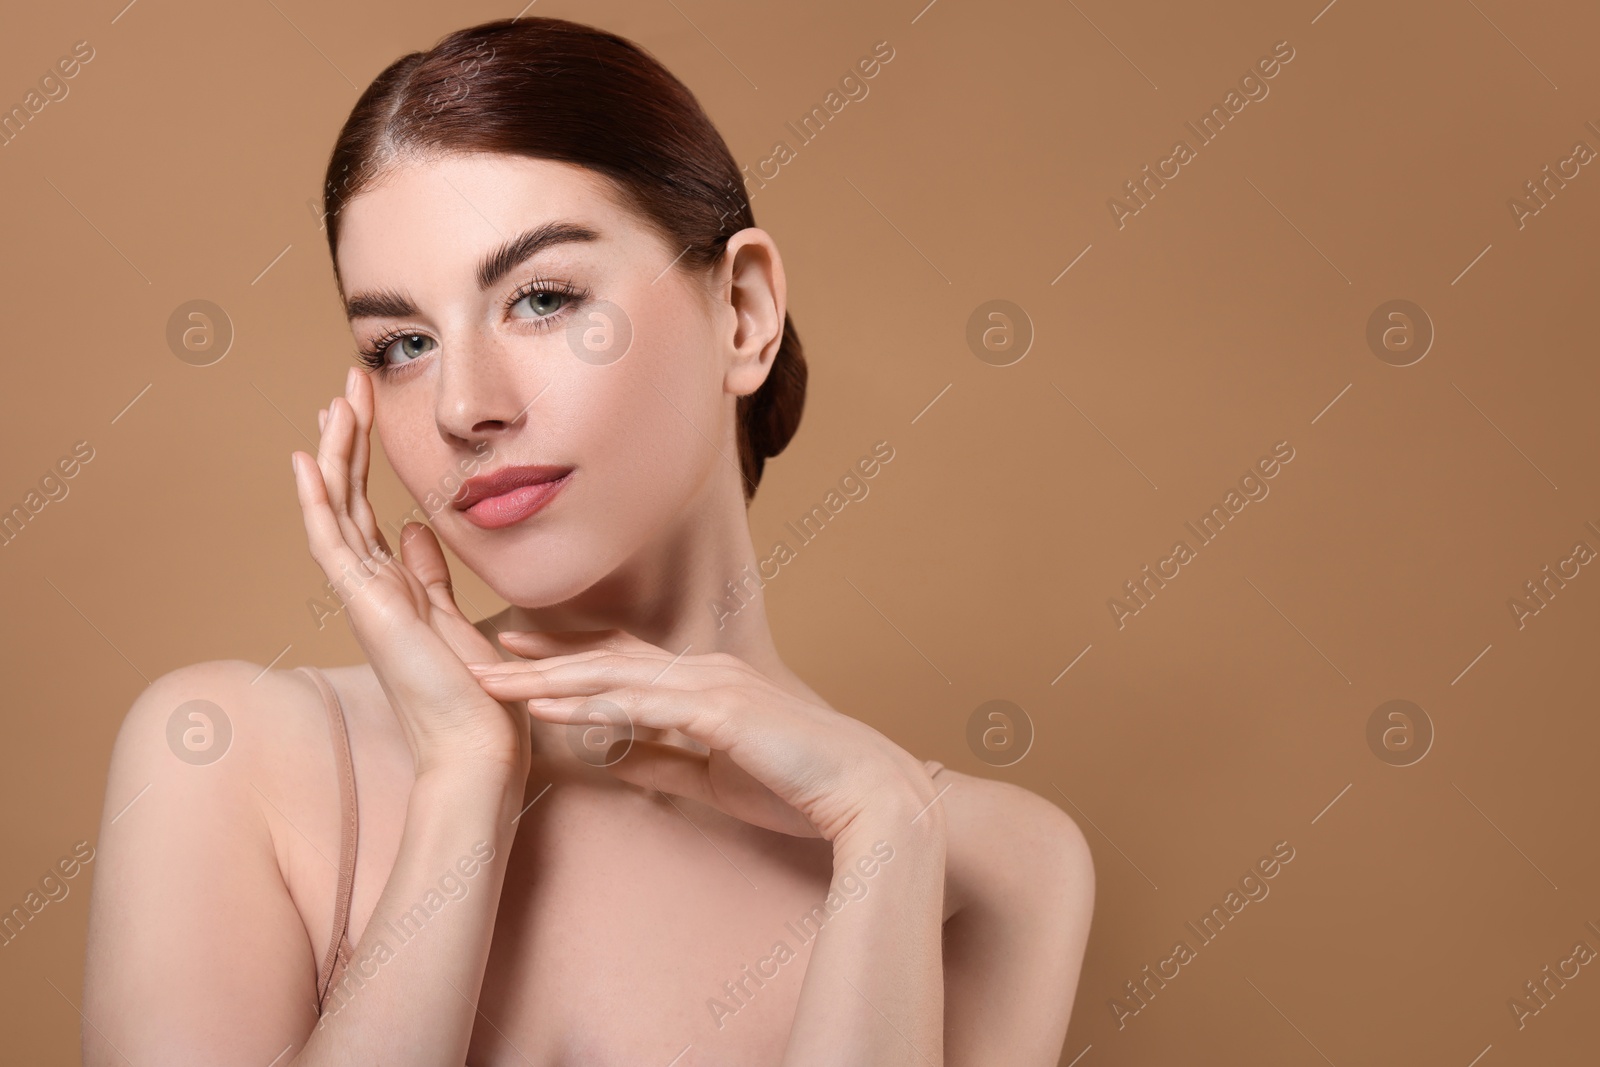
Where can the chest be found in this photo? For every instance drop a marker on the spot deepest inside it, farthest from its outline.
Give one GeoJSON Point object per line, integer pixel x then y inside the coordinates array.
{"type": "Point", "coordinates": [636, 928]}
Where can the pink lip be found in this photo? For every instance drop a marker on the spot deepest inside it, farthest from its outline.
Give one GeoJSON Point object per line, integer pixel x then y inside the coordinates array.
{"type": "Point", "coordinates": [510, 495]}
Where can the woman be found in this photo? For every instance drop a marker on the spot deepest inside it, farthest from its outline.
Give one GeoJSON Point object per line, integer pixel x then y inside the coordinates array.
{"type": "Point", "coordinates": [557, 287]}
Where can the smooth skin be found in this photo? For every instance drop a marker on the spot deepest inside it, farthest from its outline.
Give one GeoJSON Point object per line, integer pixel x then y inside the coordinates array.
{"type": "Point", "coordinates": [611, 902]}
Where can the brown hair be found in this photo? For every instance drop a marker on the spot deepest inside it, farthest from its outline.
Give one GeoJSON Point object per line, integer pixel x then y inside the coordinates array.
{"type": "Point", "coordinates": [551, 89]}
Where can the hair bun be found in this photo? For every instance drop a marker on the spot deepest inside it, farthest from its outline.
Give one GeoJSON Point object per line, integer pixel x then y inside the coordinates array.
{"type": "Point", "coordinates": [771, 415]}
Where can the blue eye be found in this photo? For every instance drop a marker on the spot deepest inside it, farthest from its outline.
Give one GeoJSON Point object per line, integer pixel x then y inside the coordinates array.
{"type": "Point", "coordinates": [544, 302]}
{"type": "Point", "coordinates": [405, 344]}
{"type": "Point", "coordinates": [378, 355]}
{"type": "Point", "coordinates": [545, 299]}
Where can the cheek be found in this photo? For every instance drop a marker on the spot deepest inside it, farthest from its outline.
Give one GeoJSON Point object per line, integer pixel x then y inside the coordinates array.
{"type": "Point", "coordinates": [649, 420]}
{"type": "Point", "coordinates": [410, 441]}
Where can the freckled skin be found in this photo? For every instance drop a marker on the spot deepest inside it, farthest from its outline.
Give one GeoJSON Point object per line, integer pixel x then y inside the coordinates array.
{"type": "Point", "coordinates": [640, 429]}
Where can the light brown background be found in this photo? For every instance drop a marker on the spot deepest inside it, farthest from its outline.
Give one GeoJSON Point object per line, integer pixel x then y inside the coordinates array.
{"type": "Point", "coordinates": [1225, 317]}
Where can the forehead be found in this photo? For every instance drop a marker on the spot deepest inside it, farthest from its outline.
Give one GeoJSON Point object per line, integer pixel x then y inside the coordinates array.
{"type": "Point", "coordinates": [441, 213]}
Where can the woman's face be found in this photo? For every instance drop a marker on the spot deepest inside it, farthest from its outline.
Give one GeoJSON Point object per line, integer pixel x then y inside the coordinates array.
{"type": "Point", "coordinates": [590, 360]}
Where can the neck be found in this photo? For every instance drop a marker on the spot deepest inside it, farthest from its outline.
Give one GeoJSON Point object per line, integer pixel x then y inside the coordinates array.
{"type": "Point", "coordinates": [694, 589]}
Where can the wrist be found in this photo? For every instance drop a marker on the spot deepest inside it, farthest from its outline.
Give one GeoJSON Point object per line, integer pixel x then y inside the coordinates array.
{"type": "Point", "coordinates": [472, 791]}
{"type": "Point", "coordinates": [908, 814]}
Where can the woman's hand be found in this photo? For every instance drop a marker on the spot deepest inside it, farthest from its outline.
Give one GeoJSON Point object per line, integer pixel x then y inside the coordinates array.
{"type": "Point", "coordinates": [402, 611]}
{"type": "Point", "coordinates": [775, 760]}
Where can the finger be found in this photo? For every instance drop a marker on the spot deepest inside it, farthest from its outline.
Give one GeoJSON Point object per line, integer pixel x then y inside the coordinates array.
{"type": "Point", "coordinates": [333, 472]}
{"type": "Point", "coordinates": [706, 716]}
{"type": "Point", "coordinates": [649, 653]}
{"type": "Point", "coordinates": [323, 535]}
{"type": "Point", "coordinates": [333, 459]}
{"type": "Point", "coordinates": [359, 392]}
{"type": "Point", "coordinates": [344, 435]}
{"type": "Point", "coordinates": [592, 673]}
{"type": "Point", "coordinates": [666, 769]}
{"type": "Point", "coordinates": [333, 451]}
{"type": "Point", "coordinates": [539, 644]}
{"type": "Point", "coordinates": [422, 556]}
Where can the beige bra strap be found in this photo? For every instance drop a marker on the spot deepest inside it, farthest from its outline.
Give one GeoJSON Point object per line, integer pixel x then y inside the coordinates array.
{"type": "Point", "coordinates": [338, 950]}
{"type": "Point", "coordinates": [933, 766]}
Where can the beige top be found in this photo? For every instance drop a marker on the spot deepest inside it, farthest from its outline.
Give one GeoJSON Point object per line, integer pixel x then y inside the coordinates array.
{"type": "Point", "coordinates": [339, 951]}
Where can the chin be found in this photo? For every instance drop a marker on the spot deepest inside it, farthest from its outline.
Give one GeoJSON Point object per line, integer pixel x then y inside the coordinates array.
{"type": "Point", "coordinates": [527, 570]}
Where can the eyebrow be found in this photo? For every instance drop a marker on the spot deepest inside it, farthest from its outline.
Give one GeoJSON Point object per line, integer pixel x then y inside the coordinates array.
{"type": "Point", "coordinates": [393, 304]}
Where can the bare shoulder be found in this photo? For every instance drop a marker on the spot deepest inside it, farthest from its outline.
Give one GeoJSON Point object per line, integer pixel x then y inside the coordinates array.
{"type": "Point", "coordinates": [1008, 843]}
{"type": "Point", "coordinates": [219, 790]}
{"type": "Point", "coordinates": [236, 741]}
{"type": "Point", "coordinates": [1016, 932]}
{"type": "Point", "coordinates": [234, 715]}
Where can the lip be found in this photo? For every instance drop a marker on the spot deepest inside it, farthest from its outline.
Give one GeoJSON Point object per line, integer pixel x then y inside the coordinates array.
{"type": "Point", "coordinates": [509, 495]}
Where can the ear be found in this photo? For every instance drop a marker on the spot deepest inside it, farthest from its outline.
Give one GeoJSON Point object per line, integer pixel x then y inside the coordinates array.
{"type": "Point", "coordinates": [757, 293]}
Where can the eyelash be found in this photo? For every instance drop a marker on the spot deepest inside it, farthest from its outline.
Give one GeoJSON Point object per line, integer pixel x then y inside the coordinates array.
{"type": "Point", "coordinates": [373, 357]}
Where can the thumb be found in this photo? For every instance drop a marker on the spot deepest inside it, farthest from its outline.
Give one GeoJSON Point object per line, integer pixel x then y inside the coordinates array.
{"type": "Point", "coordinates": [663, 768]}
{"type": "Point", "coordinates": [422, 556]}
{"type": "Point", "coordinates": [681, 772]}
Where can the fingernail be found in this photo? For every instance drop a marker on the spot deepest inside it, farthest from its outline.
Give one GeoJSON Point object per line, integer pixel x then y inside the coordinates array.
{"type": "Point", "coordinates": [492, 678]}
{"type": "Point", "coordinates": [483, 666]}
{"type": "Point", "coordinates": [322, 419]}
{"type": "Point", "coordinates": [544, 702]}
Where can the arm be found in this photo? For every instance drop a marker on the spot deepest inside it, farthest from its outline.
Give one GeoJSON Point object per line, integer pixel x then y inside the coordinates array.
{"type": "Point", "coordinates": [874, 990]}
{"type": "Point", "coordinates": [415, 1001]}
{"type": "Point", "coordinates": [197, 953]}
{"type": "Point", "coordinates": [874, 986]}
{"type": "Point", "coordinates": [1013, 952]}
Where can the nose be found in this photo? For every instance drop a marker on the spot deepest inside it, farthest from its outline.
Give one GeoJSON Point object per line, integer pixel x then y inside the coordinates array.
{"type": "Point", "coordinates": [481, 394]}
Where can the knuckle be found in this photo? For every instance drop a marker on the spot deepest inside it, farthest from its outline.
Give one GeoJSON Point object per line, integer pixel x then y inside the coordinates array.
{"type": "Point", "coordinates": [715, 707]}
{"type": "Point", "coordinates": [629, 697]}
{"type": "Point", "coordinates": [329, 562]}
{"type": "Point", "coordinates": [716, 724]}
